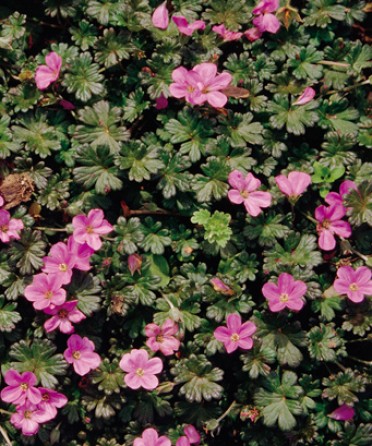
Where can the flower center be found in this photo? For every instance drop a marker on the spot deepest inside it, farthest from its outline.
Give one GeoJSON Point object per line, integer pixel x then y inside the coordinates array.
{"type": "Point", "coordinates": [235, 337]}
{"type": "Point", "coordinates": [48, 294]}
{"type": "Point", "coordinates": [24, 386]}
{"type": "Point", "coordinates": [62, 314]}
{"type": "Point", "coordinates": [63, 267]}
{"type": "Point", "coordinates": [326, 224]}
{"type": "Point", "coordinates": [160, 338]}
{"type": "Point", "coordinates": [140, 372]}
{"type": "Point", "coordinates": [27, 414]}
{"type": "Point", "coordinates": [4, 228]}
{"type": "Point", "coordinates": [284, 297]}
{"type": "Point", "coordinates": [190, 89]}
{"type": "Point", "coordinates": [45, 397]}
{"type": "Point", "coordinates": [76, 355]}
{"type": "Point", "coordinates": [353, 287]}
{"type": "Point", "coordinates": [244, 194]}
{"type": "Point", "coordinates": [89, 229]}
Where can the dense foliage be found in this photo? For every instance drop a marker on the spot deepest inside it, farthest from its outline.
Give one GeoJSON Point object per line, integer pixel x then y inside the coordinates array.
{"type": "Point", "coordinates": [222, 297]}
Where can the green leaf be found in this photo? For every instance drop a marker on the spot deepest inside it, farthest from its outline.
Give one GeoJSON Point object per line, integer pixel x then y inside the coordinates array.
{"type": "Point", "coordinates": [6, 144]}
{"type": "Point", "coordinates": [159, 267]}
{"type": "Point", "coordinates": [8, 317]}
{"type": "Point", "coordinates": [216, 226]}
{"type": "Point", "coordinates": [304, 66]}
{"type": "Point", "coordinates": [321, 12]}
{"type": "Point", "coordinates": [327, 306]}
{"type": "Point", "coordinates": [344, 386]}
{"type": "Point", "coordinates": [112, 48]}
{"type": "Point", "coordinates": [213, 185]}
{"type": "Point", "coordinates": [359, 204]}
{"type": "Point", "coordinates": [323, 174]}
{"type": "Point", "coordinates": [86, 289]}
{"type": "Point", "coordinates": [325, 344]}
{"type": "Point", "coordinates": [135, 105]}
{"type": "Point", "coordinates": [28, 252]}
{"type": "Point", "coordinates": [130, 234]}
{"type": "Point", "coordinates": [240, 129]}
{"type": "Point", "coordinates": [156, 238]}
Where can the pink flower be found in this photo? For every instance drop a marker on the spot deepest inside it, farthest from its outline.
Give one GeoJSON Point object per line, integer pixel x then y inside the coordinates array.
{"type": "Point", "coordinates": [81, 254]}
{"type": "Point", "coordinates": [1, 201]}
{"type": "Point", "coordinates": [67, 105]}
{"type": "Point", "coordinates": [45, 291]}
{"type": "Point", "coordinates": [245, 191]}
{"type": "Point", "coordinates": [338, 198]}
{"type": "Point", "coordinates": [47, 74]}
{"type": "Point", "coordinates": [134, 263]}
{"type": "Point", "coordinates": [221, 287]}
{"type": "Point", "coordinates": [59, 262]}
{"type": "Point", "coordinates": [343, 413]}
{"type": "Point", "coordinates": [330, 223]}
{"type": "Point", "coordinates": [140, 369]}
{"type": "Point", "coordinates": [161, 102]}
{"type": "Point", "coordinates": [225, 34]}
{"type": "Point", "coordinates": [265, 20]}
{"type": "Point", "coordinates": [236, 334]}
{"type": "Point", "coordinates": [63, 316]}
{"type": "Point", "coordinates": [192, 434]}
{"type": "Point", "coordinates": [184, 27]}
{"type": "Point", "coordinates": [160, 18]}
{"type": "Point", "coordinates": [80, 353]}
{"type": "Point", "coordinates": [51, 401]}
{"type": "Point", "coordinates": [20, 388]}
{"type": "Point", "coordinates": [288, 293]}
{"type": "Point", "coordinates": [354, 283]}
{"type": "Point", "coordinates": [88, 229]}
{"type": "Point", "coordinates": [186, 84]}
{"type": "Point", "coordinates": [28, 417]}
{"type": "Point", "coordinates": [253, 34]}
{"type": "Point", "coordinates": [161, 338]}
{"type": "Point", "coordinates": [9, 227]}
{"type": "Point", "coordinates": [306, 96]}
{"type": "Point", "coordinates": [210, 85]}
{"type": "Point", "coordinates": [295, 185]}
{"type": "Point", "coordinates": [151, 438]}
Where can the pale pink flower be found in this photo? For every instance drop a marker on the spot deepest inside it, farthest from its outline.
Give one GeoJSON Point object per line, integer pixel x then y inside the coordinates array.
{"type": "Point", "coordinates": [354, 283]}
{"type": "Point", "coordinates": [330, 223]}
{"type": "Point", "coordinates": [45, 291]}
{"type": "Point", "coordinates": [59, 262]}
{"type": "Point", "coordinates": [306, 96]}
{"type": "Point", "coordinates": [47, 74]}
{"type": "Point", "coordinates": [9, 227]}
{"type": "Point", "coordinates": [1, 201]}
{"type": "Point", "coordinates": [253, 34]}
{"type": "Point", "coordinates": [161, 102]}
{"type": "Point", "coordinates": [51, 400]}
{"type": "Point", "coordinates": [184, 27]}
{"type": "Point", "coordinates": [288, 293]}
{"type": "Point", "coordinates": [236, 334]}
{"type": "Point", "coordinates": [226, 34]}
{"type": "Point", "coordinates": [221, 287]}
{"type": "Point", "coordinates": [140, 369]}
{"type": "Point", "coordinates": [265, 20]}
{"type": "Point", "coordinates": [244, 190]}
{"type": "Point", "coordinates": [28, 417]}
{"type": "Point", "coordinates": [81, 254]}
{"type": "Point", "coordinates": [160, 17]}
{"type": "Point", "coordinates": [88, 229]}
{"type": "Point", "coordinates": [134, 263]}
{"type": "Point", "coordinates": [192, 434]}
{"type": "Point", "coordinates": [151, 438]}
{"type": "Point", "coordinates": [21, 388]}
{"type": "Point", "coordinates": [294, 185]}
{"type": "Point", "coordinates": [63, 316]}
{"type": "Point", "coordinates": [343, 413]}
{"type": "Point", "coordinates": [210, 85]}
{"type": "Point", "coordinates": [186, 84]}
{"type": "Point", "coordinates": [338, 198]}
{"type": "Point", "coordinates": [161, 338]}
{"type": "Point", "coordinates": [80, 353]}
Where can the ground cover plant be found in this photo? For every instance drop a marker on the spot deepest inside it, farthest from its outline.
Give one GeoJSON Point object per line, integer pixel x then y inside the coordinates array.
{"type": "Point", "coordinates": [185, 223]}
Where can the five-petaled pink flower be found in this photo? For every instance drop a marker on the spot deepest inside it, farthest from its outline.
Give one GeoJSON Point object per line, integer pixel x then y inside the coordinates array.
{"type": "Point", "coordinates": [306, 96]}
{"type": "Point", "coordinates": [191, 436]}
{"type": "Point", "coordinates": [338, 198]}
{"type": "Point", "coordinates": [51, 400]}
{"type": "Point", "coordinates": [253, 34]}
{"type": "Point", "coordinates": [29, 416]}
{"type": "Point", "coordinates": [184, 27]}
{"type": "Point", "coordinates": [343, 413]}
{"type": "Point", "coordinates": [244, 190]}
{"type": "Point", "coordinates": [150, 437]}
{"type": "Point", "coordinates": [294, 185]}
{"type": "Point", "coordinates": [88, 229]}
{"type": "Point", "coordinates": [80, 353]}
{"type": "Point", "coordinates": [21, 388]}
{"type": "Point", "coordinates": [354, 283]}
{"type": "Point", "coordinates": [236, 334]}
{"type": "Point", "coordinates": [160, 17]}
{"type": "Point", "coordinates": [81, 254]}
{"type": "Point", "coordinates": [63, 316]}
{"type": "Point", "coordinates": [265, 20]}
{"type": "Point", "coordinates": [9, 227]}
{"type": "Point", "coordinates": [211, 84]}
{"type": "Point", "coordinates": [330, 223]}
{"type": "Point", "coordinates": [161, 337]}
{"type": "Point", "coordinates": [140, 369]}
{"type": "Point", "coordinates": [226, 34]}
{"type": "Point", "coordinates": [288, 293]}
{"type": "Point", "coordinates": [47, 74]}
{"type": "Point", "coordinates": [186, 84]}
{"type": "Point", "coordinates": [45, 291]}
{"type": "Point", "coordinates": [59, 261]}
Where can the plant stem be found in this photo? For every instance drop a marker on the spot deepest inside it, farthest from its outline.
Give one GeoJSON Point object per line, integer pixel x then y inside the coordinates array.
{"type": "Point", "coordinates": [352, 87]}
{"type": "Point", "coordinates": [44, 228]}
{"type": "Point", "coordinates": [334, 64]}
{"type": "Point", "coordinates": [227, 411]}
{"type": "Point", "coordinates": [5, 436]}
{"type": "Point", "coordinates": [367, 363]}
{"type": "Point", "coordinates": [343, 368]}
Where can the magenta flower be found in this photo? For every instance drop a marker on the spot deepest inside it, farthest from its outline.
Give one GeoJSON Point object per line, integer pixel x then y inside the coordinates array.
{"type": "Point", "coordinates": [1, 201]}
{"type": "Point", "coordinates": [161, 338]}
{"type": "Point", "coordinates": [191, 436]}
{"type": "Point", "coordinates": [134, 263]}
{"type": "Point", "coordinates": [9, 227]}
{"type": "Point", "coordinates": [51, 401]}
{"type": "Point", "coordinates": [45, 291]}
{"type": "Point", "coordinates": [330, 223]}
{"type": "Point", "coordinates": [184, 27]}
{"type": "Point", "coordinates": [236, 334]}
{"type": "Point", "coordinates": [80, 353]}
{"type": "Point", "coordinates": [161, 102]}
{"type": "Point", "coordinates": [88, 229]}
{"type": "Point", "coordinates": [221, 287]}
{"type": "Point", "coordinates": [225, 34]}
{"type": "Point", "coordinates": [140, 369]}
{"type": "Point", "coordinates": [81, 254]}
{"type": "Point", "coordinates": [21, 388]}
{"type": "Point", "coordinates": [47, 74]}
{"type": "Point", "coordinates": [343, 413]}
{"type": "Point", "coordinates": [245, 191]}
{"type": "Point", "coordinates": [288, 293]}
{"type": "Point", "coordinates": [59, 262]}
{"type": "Point", "coordinates": [63, 316]}
{"type": "Point", "coordinates": [253, 34]}
{"type": "Point", "coordinates": [354, 283]}
{"type": "Point", "coordinates": [295, 185]}
{"type": "Point", "coordinates": [338, 198]}
{"type": "Point", "coordinates": [265, 20]}
{"type": "Point", "coordinates": [306, 96]}
{"type": "Point", "coordinates": [151, 438]}
{"type": "Point", "coordinates": [186, 84]}
{"type": "Point", "coordinates": [67, 105]}
{"type": "Point", "coordinates": [160, 17]}
{"type": "Point", "coordinates": [28, 417]}
{"type": "Point", "coordinates": [210, 85]}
